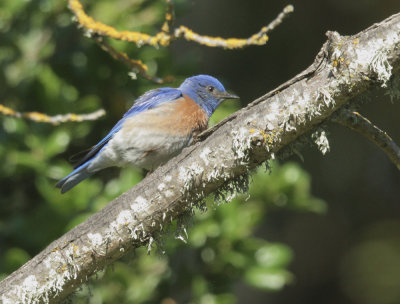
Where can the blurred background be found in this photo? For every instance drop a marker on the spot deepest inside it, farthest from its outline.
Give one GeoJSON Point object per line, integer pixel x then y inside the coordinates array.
{"type": "Point", "coordinates": [322, 230]}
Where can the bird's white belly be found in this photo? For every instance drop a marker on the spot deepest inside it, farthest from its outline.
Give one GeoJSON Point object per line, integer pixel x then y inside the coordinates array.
{"type": "Point", "coordinates": [140, 148]}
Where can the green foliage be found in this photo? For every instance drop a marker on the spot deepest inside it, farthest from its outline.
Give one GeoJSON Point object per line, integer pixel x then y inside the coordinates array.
{"type": "Point", "coordinates": [47, 65]}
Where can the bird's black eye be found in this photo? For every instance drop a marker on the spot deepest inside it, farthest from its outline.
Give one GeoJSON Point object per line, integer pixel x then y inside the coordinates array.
{"type": "Point", "coordinates": [210, 89]}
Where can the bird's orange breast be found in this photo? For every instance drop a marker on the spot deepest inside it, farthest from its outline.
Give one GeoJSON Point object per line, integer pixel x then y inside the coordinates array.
{"type": "Point", "coordinates": [182, 117]}
{"type": "Point", "coordinates": [190, 117]}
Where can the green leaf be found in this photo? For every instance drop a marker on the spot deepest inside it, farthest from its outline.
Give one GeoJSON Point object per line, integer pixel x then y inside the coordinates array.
{"type": "Point", "coordinates": [267, 279]}
{"type": "Point", "coordinates": [273, 256]}
{"type": "Point", "coordinates": [15, 258]}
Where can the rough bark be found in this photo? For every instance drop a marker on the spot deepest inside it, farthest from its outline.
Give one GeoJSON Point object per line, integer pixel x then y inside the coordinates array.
{"type": "Point", "coordinates": [346, 66]}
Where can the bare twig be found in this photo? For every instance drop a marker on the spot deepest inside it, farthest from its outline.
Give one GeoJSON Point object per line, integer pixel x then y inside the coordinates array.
{"type": "Point", "coordinates": [259, 38]}
{"type": "Point", "coordinates": [355, 121]}
{"type": "Point", "coordinates": [137, 66]}
{"type": "Point", "coordinates": [101, 29]}
{"type": "Point", "coordinates": [279, 19]}
{"type": "Point", "coordinates": [169, 17]}
{"type": "Point", "coordinates": [165, 36]}
{"type": "Point", "coordinates": [55, 120]}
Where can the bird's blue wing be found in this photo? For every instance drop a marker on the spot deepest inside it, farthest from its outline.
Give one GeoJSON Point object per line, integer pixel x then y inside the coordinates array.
{"type": "Point", "coordinates": [152, 99]}
{"type": "Point", "coordinates": [147, 101]}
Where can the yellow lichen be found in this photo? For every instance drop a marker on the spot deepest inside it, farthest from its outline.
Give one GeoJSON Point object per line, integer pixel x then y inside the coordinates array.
{"type": "Point", "coordinates": [61, 269]}
{"type": "Point", "coordinates": [268, 137]}
{"type": "Point", "coordinates": [165, 36]}
{"type": "Point", "coordinates": [7, 111]}
{"type": "Point", "coordinates": [36, 116]}
{"type": "Point", "coordinates": [40, 117]}
{"type": "Point", "coordinates": [75, 249]}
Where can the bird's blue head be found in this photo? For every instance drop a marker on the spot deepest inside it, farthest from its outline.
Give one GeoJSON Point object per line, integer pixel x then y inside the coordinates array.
{"type": "Point", "coordinates": [206, 91]}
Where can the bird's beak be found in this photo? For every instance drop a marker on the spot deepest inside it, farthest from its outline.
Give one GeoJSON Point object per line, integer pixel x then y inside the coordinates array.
{"type": "Point", "coordinates": [226, 95]}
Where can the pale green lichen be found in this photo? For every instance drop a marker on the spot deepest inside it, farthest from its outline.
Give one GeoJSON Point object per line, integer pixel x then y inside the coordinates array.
{"type": "Point", "coordinates": [321, 140]}
{"type": "Point", "coordinates": [241, 144]}
{"type": "Point", "coordinates": [324, 95]}
{"type": "Point", "coordinates": [95, 239]}
{"type": "Point", "coordinates": [204, 155]}
{"type": "Point", "coordinates": [232, 188]}
{"type": "Point", "coordinates": [381, 66]}
{"type": "Point", "coordinates": [188, 175]}
{"type": "Point", "coordinates": [61, 267]}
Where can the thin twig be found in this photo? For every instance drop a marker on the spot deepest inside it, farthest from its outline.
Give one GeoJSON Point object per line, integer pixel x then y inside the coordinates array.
{"type": "Point", "coordinates": [259, 38]}
{"type": "Point", "coordinates": [169, 17]}
{"type": "Point", "coordinates": [165, 37]}
{"type": "Point", "coordinates": [279, 19]}
{"type": "Point", "coordinates": [355, 121]}
{"type": "Point", "coordinates": [137, 66]}
{"type": "Point", "coordinates": [55, 120]}
{"type": "Point", "coordinates": [99, 28]}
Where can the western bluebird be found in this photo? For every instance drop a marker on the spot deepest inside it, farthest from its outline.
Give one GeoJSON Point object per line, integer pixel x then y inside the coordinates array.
{"type": "Point", "coordinates": [157, 127]}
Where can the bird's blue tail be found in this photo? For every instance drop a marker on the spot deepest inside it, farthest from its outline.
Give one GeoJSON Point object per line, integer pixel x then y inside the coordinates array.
{"type": "Point", "coordinates": [74, 178]}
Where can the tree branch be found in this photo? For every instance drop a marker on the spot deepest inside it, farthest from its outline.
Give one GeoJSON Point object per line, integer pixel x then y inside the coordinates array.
{"type": "Point", "coordinates": [347, 66]}
{"type": "Point", "coordinates": [355, 121]}
{"type": "Point", "coordinates": [165, 36]}
{"type": "Point", "coordinates": [55, 120]}
{"type": "Point", "coordinates": [259, 38]}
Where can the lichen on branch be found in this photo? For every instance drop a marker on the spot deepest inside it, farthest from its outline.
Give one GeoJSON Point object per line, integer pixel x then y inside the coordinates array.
{"type": "Point", "coordinates": [55, 120]}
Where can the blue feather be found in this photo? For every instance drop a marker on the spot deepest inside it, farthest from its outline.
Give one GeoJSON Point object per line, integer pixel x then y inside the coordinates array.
{"type": "Point", "coordinates": [74, 178]}
{"type": "Point", "coordinates": [152, 99]}
{"type": "Point", "coordinates": [147, 101]}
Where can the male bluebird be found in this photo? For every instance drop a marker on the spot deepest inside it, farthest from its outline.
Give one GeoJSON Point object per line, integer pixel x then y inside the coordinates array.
{"type": "Point", "coordinates": [157, 127]}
